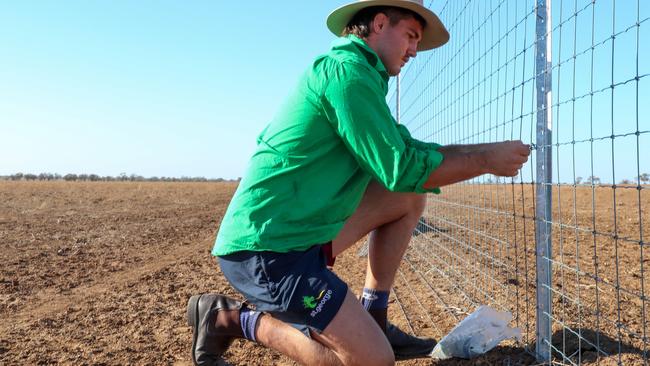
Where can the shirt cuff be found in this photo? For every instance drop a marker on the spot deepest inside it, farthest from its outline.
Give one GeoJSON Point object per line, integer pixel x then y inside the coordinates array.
{"type": "Point", "coordinates": [434, 159]}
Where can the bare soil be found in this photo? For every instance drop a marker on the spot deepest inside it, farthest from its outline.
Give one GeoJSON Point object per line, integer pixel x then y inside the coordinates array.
{"type": "Point", "coordinates": [100, 273]}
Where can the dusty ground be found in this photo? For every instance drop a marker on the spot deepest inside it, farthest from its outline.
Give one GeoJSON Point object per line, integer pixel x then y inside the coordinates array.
{"type": "Point", "coordinates": [100, 273]}
{"type": "Point", "coordinates": [478, 247]}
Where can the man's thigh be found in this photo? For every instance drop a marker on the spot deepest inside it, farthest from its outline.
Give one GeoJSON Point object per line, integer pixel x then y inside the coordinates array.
{"type": "Point", "coordinates": [355, 337]}
{"type": "Point", "coordinates": [378, 206]}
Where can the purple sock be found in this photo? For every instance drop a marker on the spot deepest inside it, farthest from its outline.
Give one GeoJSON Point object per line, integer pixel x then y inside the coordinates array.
{"type": "Point", "coordinates": [374, 299]}
{"type": "Point", "coordinates": [248, 320]}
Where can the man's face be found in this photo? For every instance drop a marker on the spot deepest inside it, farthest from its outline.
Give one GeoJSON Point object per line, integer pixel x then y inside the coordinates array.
{"type": "Point", "coordinates": [395, 45]}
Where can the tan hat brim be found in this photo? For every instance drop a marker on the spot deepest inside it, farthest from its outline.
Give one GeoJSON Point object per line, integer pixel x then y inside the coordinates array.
{"type": "Point", "coordinates": [434, 35]}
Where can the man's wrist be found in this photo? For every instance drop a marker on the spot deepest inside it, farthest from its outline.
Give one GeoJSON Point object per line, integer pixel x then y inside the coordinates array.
{"type": "Point", "coordinates": [481, 160]}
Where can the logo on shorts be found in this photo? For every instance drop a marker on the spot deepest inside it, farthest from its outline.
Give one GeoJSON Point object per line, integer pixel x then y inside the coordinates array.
{"type": "Point", "coordinates": [309, 302]}
{"type": "Point", "coordinates": [323, 299]}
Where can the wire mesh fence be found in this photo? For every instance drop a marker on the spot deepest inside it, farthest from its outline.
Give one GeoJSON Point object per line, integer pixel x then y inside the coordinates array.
{"type": "Point", "coordinates": [481, 242]}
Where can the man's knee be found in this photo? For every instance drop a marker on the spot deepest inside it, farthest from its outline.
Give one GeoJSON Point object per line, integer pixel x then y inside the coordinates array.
{"type": "Point", "coordinates": [378, 197]}
{"type": "Point", "coordinates": [419, 203]}
{"type": "Point", "coordinates": [414, 206]}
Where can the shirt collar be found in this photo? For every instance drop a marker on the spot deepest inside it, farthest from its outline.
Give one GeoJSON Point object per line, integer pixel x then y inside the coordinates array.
{"type": "Point", "coordinates": [359, 47]}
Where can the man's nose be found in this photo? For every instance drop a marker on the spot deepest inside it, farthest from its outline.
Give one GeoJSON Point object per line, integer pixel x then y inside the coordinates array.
{"type": "Point", "coordinates": [412, 50]}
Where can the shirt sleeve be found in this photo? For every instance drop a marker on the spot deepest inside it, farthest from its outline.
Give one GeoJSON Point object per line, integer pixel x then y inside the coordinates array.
{"type": "Point", "coordinates": [355, 106]}
{"type": "Point", "coordinates": [410, 141]}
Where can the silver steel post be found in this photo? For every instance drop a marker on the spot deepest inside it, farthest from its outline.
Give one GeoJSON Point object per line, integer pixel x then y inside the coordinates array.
{"type": "Point", "coordinates": [543, 213]}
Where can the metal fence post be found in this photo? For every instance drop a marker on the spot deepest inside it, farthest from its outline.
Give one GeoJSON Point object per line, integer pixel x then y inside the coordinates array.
{"type": "Point", "coordinates": [543, 213]}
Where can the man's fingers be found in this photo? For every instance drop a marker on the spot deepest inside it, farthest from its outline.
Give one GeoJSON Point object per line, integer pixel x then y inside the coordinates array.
{"type": "Point", "coordinates": [524, 150]}
{"type": "Point", "coordinates": [518, 160]}
{"type": "Point", "coordinates": [510, 171]}
{"type": "Point", "coordinates": [509, 157]}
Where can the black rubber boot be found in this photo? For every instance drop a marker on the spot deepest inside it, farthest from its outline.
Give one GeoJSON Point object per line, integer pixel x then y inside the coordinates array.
{"type": "Point", "coordinates": [407, 346]}
{"type": "Point", "coordinates": [404, 345]}
{"type": "Point", "coordinates": [215, 322]}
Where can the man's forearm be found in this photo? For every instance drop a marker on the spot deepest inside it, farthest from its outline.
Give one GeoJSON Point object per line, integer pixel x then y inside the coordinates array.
{"type": "Point", "coordinates": [463, 148]}
{"type": "Point", "coordinates": [462, 162]}
{"type": "Point", "coordinates": [457, 167]}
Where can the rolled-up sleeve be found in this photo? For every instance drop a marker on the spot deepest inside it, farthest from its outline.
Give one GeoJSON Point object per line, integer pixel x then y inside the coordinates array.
{"type": "Point", "coordinates": [355, 106]}
{"type": "Point", "coordinates": [410, 141]}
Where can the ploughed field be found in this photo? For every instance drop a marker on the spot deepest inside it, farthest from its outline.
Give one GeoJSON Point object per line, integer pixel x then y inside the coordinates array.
{"type": "Point", "coordinates": [100, 273]}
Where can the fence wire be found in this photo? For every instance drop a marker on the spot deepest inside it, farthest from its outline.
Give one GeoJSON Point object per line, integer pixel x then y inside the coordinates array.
{"type": "Point", "coordinates": [476, 242]}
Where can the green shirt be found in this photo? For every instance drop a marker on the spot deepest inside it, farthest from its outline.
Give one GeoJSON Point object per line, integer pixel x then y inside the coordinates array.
{"type": "Point", "coordinates": [316, 157]}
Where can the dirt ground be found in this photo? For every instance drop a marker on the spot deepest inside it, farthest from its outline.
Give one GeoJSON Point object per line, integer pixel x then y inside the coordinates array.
{"type": "Point", "coordinates": [100, 273]}
{"type": "Point", "coordinates": [478, 247]}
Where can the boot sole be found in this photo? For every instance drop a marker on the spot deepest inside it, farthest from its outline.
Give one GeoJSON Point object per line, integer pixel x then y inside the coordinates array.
{"type": "Point", "coordinates": [193, 321]}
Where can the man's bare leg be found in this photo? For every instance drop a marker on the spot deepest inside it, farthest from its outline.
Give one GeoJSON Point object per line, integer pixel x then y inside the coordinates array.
{"type": "Point", "coordinates": [289, 341]}
{"type": "Point", "coordinates": [352, 338]}
{"type": "Point", "coordinates": [390, 217]}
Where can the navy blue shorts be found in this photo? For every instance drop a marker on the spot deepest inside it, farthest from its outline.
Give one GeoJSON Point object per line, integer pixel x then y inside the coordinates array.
{"type": "Point", "coordinates": [295, 287]}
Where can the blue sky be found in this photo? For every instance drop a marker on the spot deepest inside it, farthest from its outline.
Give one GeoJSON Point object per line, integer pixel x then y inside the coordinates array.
{"type": "Point", "coordinates": [171, 88]}
{"type": "Point", "coordinates": [472, 89]}
{"type": "Point", "coordinates": [156, 88]}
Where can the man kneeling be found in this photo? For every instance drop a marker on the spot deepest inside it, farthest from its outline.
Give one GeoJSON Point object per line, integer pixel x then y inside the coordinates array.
{"type": "Point", "coordinates": [330, 168]}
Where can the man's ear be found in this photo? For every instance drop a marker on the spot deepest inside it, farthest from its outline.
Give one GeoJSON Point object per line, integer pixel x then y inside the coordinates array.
{"type": "Point", "coordinates": [379, 23]}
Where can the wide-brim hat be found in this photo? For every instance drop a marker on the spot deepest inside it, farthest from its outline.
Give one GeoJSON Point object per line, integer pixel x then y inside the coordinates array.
{"type": "Point", "coordinates": [434, 34]}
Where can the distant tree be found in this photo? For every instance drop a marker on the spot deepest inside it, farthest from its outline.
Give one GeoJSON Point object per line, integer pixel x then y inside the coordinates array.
{"type": "Point", "coordinates": [134, 178]}
{"type": "Point", "coordinates": [626, 182]}
{"type": "Point", "coordinates": [593, 180]}
{"type": "Point", "coordinates": [46, 176]}
{"type": "Point", "coordinates": [644, 178]}
{"type": "Point", "coordinates": [578, 180]}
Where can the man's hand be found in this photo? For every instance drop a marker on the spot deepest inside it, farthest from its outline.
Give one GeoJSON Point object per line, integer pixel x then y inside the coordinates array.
{"type": "Point", "coordinates": [506, 158]}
